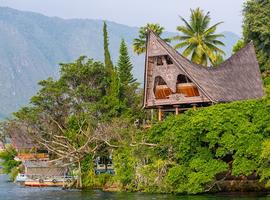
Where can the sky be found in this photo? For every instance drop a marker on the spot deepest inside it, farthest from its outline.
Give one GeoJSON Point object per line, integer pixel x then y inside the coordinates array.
{"type": "Point", "coordinates": [137, 12]}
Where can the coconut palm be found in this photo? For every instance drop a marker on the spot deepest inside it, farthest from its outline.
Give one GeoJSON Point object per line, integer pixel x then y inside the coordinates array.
{"type": "Point", "coordinates": [200, 41]}
{"type": "Point", "coordinates": [139, 44]}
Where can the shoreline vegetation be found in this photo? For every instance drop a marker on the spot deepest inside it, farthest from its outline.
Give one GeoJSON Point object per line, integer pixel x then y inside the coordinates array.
{"type": "Point", "coordinates": [93, 111]}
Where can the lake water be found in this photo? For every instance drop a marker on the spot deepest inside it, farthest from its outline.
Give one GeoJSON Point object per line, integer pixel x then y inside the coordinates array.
{"type": "Point", "coordinates": [11, 191]}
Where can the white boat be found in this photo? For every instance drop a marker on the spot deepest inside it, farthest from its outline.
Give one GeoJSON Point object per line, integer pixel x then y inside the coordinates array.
{"type": "Point", "coordinates": [20, 178]}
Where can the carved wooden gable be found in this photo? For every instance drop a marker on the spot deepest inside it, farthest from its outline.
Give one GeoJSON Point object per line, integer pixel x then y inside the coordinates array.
{"type": "Point", "coordinates": [165, 82]}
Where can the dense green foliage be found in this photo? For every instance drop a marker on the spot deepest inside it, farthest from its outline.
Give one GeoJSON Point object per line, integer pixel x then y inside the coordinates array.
{"type": "Point", "coordinates": [239, 45]}
{"type": "Point", "coordinates": [9, 165]}
{"type": "Point", "coordinates": [200, 39]}
{"type": "Point", "coordinates": [195, 147]}
{"type": "Point", "coordinates": [124, 163]}
{"type": "Point", "coordinates": [256, 29]}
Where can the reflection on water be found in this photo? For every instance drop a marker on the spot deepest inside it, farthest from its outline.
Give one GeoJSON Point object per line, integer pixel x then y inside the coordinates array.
{"type": "Point", "coordinates": [10, 191]}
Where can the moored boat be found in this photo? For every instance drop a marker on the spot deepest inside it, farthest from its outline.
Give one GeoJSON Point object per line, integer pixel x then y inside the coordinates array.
{"type": "Point", "coordinates": [44, 174]}
{"type": "Point", "coordinates": [49, 182]}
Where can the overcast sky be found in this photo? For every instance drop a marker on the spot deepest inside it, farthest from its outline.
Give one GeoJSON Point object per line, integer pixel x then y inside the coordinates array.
{"type": "Point", "coordinates": [136, 12]}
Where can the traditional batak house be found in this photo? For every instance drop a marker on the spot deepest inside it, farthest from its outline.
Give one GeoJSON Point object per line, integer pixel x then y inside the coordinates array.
{"type": "Point", "coordinates": [172, 83]}
{"type": "Point", "coordinates": [26, 147]}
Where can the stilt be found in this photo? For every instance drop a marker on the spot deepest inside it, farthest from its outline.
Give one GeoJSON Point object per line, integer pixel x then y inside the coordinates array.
{"type": "Point", "coordinates": [194, 107]}
{"type": "Point", "coordinates": [159, 114]}
{"type": "Point", "coordinates": [176, 110]}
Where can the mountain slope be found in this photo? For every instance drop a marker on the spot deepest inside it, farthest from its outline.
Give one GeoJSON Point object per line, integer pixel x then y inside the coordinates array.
{"type": "Point", "coordinates": [32, 45]}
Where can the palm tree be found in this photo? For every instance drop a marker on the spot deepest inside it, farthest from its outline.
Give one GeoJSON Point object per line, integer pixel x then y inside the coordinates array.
{"type": "Point", "coordinates": [200, 41]}
{"type": "Point", "coordinates": [139, 44]}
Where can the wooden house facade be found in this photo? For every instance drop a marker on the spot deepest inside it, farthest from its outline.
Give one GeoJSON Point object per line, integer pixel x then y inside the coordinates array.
{"type": "Point", "coordinates": [173, 83]}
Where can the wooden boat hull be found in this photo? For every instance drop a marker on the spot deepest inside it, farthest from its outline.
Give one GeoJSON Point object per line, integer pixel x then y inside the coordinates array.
{"type": "Point", "coordinates": [48, 183]}
{"type": "Point", "coordinates": [44, 184]}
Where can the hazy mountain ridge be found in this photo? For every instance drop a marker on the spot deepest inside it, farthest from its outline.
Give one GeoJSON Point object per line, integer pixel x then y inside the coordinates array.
{"type": "Point", "coordinates": [32, 45]}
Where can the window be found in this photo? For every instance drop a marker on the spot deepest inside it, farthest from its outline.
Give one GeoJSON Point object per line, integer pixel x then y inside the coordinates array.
{"type": "Point", "coordinates": [161, 90]}
{"type": "Point", "coordinates": [159, 81]}
{"type": "Point", "coordinates": [159, 60]}
{"type": "Point", "coordinates": [185, 86]}
{"type": "Point", "coordinates": [168, 60]}
{"type": "Point", "coordinates": [183, 79]}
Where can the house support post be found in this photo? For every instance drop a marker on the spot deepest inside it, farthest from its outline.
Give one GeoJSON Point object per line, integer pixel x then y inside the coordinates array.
{"type": "Point", "coordinates": [176, 110]}
{"type": "Point", "coordinates": [159, 114]}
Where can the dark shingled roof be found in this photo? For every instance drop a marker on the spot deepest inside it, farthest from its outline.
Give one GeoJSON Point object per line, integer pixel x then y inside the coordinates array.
{"type": "Point", "coordinates": [238, 78]}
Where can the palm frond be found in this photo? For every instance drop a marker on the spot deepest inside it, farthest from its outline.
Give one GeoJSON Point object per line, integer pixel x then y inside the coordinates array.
{"type": "Point", "coordinates": [187, 24]}
{"type": "Point", "coordinates": [214, 48]}
{"type": "Point", "coordinates": [210, 54]}
{"type": "Point", "coordinates": [188, 50]}
{"type": "Point", "coordinates": [205, 22]}
{"type": "Point", "coordinates": [181, 45]}
{"type": "Point", "coordinates": [193, 40]}
{"type": "Point", "coordinates": [212, 29]}
{"type": "Point", "coordinates": [213, 36]}
{"type": "Point", "coordinates": [180, 38]}
{"type": "Point", "coordinates": [217, 42]}
{"type": "Point", "coordinates": [185, 30]}
{"type": "Point", "coordinates": [139, 46]}
{"type": "Point", "coordinates": [199, 50]}
{"type": "Point", "coordinates": [167, 39]}
{"type": "Point", "coordinates": [195, 58]}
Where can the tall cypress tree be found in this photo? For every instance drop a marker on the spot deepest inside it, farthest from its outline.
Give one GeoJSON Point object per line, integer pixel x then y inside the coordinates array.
{"type": "Point", "coordinates": [111, 101]}
{"type": "Point", "coordinates": [107, 57]}
{"type": "Point", "coordinates": [112, 76]}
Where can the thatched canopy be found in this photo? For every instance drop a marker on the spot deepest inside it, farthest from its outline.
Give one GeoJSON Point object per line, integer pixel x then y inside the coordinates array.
{"type": "Point", "coordinates": [238, 78]}
{"type": "Point", "coordinates": [22, 140]}
{"type": "Point", "coordinates": [43, 168]}
{"type": "Point", "coordinates": [19, 137]}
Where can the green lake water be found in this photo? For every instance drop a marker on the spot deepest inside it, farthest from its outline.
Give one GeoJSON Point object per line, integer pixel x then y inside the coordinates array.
{"type": "Point", "coordinates": [11, 191]}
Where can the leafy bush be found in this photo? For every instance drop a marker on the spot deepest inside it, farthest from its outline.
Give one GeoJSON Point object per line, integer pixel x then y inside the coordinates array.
{"type": "Point", "coordinates": [124, 163]}
{"type": "Point", "coordinates": [8, 163]}
{"type": "Point", "coordinates": [213, 140]}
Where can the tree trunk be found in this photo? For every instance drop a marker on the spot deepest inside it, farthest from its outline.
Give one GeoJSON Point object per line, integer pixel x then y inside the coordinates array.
{"type": "Point", "coordinates": [79, 178]}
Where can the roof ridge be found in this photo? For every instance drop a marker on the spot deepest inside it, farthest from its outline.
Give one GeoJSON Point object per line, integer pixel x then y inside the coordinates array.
{"type": "Point", "coordinates": [233, 56]}
{"type": "Point", "coordinates": [243, 49]}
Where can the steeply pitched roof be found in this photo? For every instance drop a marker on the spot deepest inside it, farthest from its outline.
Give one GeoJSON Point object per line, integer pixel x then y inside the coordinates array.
{"type": "Point", "coordinates": [238, 78]}
{"type": "Point", "coordinates": [20, 138]}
